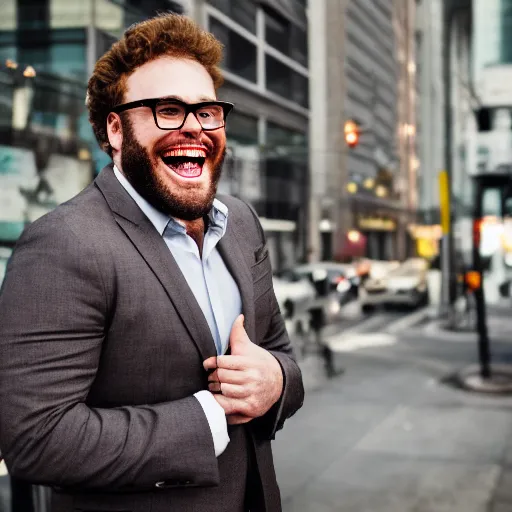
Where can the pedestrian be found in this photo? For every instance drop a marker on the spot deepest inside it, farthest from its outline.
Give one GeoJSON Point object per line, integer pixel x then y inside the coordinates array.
{"type": "Point", "coordinates": [129, 379]}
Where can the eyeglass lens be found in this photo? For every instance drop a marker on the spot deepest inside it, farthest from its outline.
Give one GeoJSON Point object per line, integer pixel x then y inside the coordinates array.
{"type": "Point", "coordinates": [170, 115]}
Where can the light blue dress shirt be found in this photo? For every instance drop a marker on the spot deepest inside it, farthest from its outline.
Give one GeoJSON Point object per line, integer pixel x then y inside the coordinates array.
{"type": "Point", "coordinates": [211, 283]}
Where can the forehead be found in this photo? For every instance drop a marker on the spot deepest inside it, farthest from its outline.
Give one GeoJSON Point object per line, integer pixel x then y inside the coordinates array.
{"type": "Point", "coordinates": [167, 76]}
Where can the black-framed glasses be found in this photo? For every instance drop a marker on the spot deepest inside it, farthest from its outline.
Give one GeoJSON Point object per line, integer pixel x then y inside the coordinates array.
{"type": "Point", "coordinates": [171, 114]}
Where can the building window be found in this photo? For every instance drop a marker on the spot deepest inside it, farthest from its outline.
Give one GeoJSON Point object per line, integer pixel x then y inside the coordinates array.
{"type": "Point", "coordinates": [299, 45]}
{"type": "Point", "coordinates": [277, 32]}
{"type": "Point", "coordinates": [242, 129]}
{"type": "Point", "coordinates": [243, 12]}
{"type": "Point", "coordinates": [289, 39]}
{"type": "Point", "coordinates": [286, 82]}
{"type": "Point", "coordinates": [279, 136]}
{"type": "Point", "coordinates": [239, 53]}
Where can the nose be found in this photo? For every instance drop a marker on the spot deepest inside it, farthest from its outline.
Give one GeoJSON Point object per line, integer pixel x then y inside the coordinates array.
{"type": "Point", "coordinates": [191, 125]}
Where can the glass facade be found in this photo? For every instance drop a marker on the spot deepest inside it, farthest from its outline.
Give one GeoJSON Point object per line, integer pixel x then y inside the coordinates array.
{"type": "Point", "coordinates": [280, 43]}
{"type": "Point", "coordinates": [492, 34]}
{"type": "Point", "coordinates": [239, 53]}
{"type": "Point", "coordinates": [286, 82]}
{"type": "Point", "coordinates": [243, 13]}
{"type": "Point", "coordinates": [286, 37]}
{"type": "Point", "coordinates": [47, 149]}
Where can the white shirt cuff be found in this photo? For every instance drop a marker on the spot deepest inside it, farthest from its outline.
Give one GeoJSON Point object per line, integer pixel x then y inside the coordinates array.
{"type": "Point", "coordinates": [216, 419]}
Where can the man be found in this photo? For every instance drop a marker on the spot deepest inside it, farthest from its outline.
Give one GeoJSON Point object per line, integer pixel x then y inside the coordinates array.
{"type": "Point", "coordinates": [129, 381]}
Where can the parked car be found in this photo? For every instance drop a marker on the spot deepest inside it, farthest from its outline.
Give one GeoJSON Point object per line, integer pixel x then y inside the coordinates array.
{"type": "Point", "coordinates": [405, 285]}
{"type": "Point", "coordinates": [326, 307]}
{"type": "Point", "coordinates": [295, 296]}
{"type": "Point", "coordinates": [339, 278]}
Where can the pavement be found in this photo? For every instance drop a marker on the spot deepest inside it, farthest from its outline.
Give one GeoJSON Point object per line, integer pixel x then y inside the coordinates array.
{"type": "Point", "coordinates": [392, 433]}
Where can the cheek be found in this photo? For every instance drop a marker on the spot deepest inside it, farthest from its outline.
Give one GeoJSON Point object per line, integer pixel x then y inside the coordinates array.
{"type": "Point", "coordinates": [219, 140]}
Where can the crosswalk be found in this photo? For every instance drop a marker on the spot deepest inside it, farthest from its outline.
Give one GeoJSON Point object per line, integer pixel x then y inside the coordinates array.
{"type": "Point", "coordinates": [377, 330]}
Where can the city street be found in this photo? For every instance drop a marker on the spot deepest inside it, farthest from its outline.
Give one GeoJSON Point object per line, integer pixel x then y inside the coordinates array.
{"type": "Point", "coordinates": [389, 435]}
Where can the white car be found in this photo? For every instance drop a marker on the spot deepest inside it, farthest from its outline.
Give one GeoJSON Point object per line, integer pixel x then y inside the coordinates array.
{"type": "Point", "coordinates": [295, 297]}
{"type": "Point", "coordinates": [341, 279]}
{"type": "Point", "coordinates": [405, 285]}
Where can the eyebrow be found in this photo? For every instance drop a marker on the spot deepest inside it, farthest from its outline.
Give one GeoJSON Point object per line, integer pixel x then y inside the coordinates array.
{"type": "Point", "coordinates": [179, 98]}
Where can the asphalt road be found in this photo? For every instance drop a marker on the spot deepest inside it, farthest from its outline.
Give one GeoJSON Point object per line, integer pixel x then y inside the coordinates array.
{"type": "Point", "coordinates": [390, 434]}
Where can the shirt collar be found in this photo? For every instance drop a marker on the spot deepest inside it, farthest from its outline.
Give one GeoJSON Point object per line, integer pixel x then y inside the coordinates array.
{"type": "Point", "coordinates": [218, 215]}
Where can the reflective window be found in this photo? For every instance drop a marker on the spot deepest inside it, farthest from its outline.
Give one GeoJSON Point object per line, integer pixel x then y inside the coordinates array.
{"type": "Point", "coordinates": [299, 46]}
{"type": "Point", "coordinates": [286, 82]}
{"type": "Point", "coordinates": [239, 53]}
{"type": "Point", "coordinates": [492, 34]}
{"type": "Point", "coordinates": [279, 136]}
{"type": "Point", "coordinates": [243, 12]}
{"type": "Point", "coordinates": [286, 37]}
{"type": "Point", "coordinates": [8, 20]}
{"type": "Point", "coordinates": [242, 129]}
{"type": "Point", "coordinates": [277, 32]}
{"type": "Point", "coordinates": [68, 60]}
{"type": "Point", "coordinates": [67, 14]}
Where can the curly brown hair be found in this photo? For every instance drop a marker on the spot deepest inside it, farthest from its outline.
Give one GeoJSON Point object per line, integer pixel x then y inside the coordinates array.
{"type": "Point", "coordinates": [166, 34]}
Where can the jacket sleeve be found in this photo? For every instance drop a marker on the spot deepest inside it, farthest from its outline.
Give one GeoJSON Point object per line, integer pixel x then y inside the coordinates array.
{"type": "Point", "coordinates": [54, 310]}
{"type": "Point", "coordinates": [277, 342]}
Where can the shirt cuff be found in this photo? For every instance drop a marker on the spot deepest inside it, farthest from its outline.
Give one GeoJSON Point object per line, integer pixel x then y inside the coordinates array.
{"type": "Point", "coordinates": [216, 419]}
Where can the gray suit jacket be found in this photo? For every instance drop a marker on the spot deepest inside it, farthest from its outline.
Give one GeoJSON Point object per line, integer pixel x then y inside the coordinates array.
{"type": "Point", "coordinates": [101, 351]}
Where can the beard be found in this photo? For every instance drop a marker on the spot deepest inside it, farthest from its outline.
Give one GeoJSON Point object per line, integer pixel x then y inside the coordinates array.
{"type": "Point", "coordinates": [186, 204]}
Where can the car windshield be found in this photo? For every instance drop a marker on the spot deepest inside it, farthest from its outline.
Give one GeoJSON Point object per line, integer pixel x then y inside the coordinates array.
{"type": "Point", "coordinates": [289, 276]}
{"type": "Point", "coordinates": [409, 268]}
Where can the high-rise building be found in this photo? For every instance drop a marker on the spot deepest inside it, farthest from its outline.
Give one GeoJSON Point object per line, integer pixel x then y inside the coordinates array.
{"type": "Point", "coordinates": [363, 53]}
{"type": "Point", "coordinates": [429, 123]}
{"type": "Point", "coordinates": [430, 111]}
{"type": "Point", "coordinates": [267, 77]}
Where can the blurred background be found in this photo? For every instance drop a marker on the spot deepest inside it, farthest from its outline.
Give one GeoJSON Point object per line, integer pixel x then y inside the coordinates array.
{"type": "Point", "coordinates": [374, 140]}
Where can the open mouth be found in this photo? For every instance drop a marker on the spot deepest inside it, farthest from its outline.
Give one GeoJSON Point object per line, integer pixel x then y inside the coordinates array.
{"type": "Point", "coordinates": [187, 163]}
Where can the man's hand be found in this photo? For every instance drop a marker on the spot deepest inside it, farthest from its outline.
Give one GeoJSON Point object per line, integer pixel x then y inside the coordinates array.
{"type": "Point", "coordinates": [246, 383]}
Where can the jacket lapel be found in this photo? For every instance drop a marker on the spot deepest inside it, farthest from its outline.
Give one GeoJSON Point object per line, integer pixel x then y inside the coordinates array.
{"type": "Point", "coordinates": [155, 252]}
{"type": "Point", "coordinates": [234, 259]}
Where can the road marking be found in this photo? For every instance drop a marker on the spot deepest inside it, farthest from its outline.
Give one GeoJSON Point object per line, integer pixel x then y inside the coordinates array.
{"type": "Point", "coordinates": [350, 341]}
{"type": "Point", "coordinates": [407, 321]}
{"type": "Point", "coordinates": [373, 323]}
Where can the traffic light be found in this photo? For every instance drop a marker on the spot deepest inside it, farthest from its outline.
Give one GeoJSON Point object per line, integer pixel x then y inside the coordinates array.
{"type": "Point", "coordinates": [352, 133]}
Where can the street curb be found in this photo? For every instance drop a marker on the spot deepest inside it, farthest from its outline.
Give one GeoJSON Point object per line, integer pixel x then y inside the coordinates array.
{"type": "Point", "coordinates": [469, 379]}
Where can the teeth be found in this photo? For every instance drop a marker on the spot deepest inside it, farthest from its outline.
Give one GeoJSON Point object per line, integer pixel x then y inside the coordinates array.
{"type": "Point", "coordinates": [192, 153]}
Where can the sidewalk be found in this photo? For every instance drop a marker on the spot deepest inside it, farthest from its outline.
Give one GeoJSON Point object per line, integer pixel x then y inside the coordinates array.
{"type": "Point", "coordinates": [499, 325]}
{"type": "Point", "coordinates": [389, 436]}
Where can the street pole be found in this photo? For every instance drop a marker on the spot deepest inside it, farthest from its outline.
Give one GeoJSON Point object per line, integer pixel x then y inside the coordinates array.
{"type": "Point", "coordinates": [448, 241]}
{"type": "Point", "coordinates": [445, 211]}
{"type": "Point", "coordinates": [484, 354]}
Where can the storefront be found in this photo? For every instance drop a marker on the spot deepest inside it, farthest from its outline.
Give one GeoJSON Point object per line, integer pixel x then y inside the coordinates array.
{"type": "Point", "coordinates": [380, 234]}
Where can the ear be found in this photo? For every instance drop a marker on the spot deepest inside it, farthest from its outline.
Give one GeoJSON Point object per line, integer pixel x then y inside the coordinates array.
{"type": "Point", "coordinates": [114, 131]}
